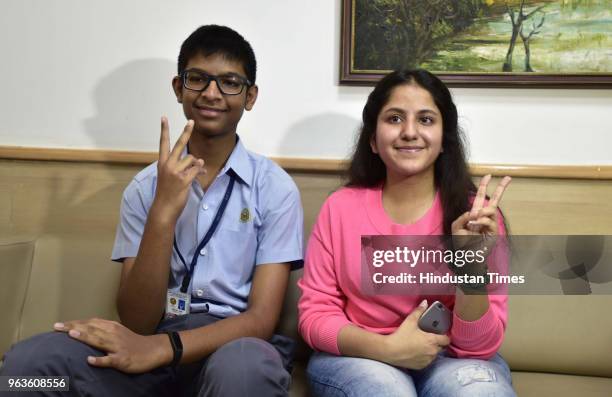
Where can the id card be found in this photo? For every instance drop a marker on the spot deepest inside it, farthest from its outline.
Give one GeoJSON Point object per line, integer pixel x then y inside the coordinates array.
{"type": "Point", "coordinates": [177, 304]}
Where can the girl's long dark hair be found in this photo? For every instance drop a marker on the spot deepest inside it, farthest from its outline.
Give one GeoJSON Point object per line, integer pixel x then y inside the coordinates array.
{"type": "Point", "coordinates": [451, 175]}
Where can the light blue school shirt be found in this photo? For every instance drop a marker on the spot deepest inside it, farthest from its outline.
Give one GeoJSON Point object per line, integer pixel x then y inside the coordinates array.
{"type": "Point", "coordinates": [262, 223]}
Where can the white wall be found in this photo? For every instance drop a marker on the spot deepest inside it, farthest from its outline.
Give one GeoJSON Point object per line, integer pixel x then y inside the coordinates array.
{"type": "Point", "coordinates": [96, 74]}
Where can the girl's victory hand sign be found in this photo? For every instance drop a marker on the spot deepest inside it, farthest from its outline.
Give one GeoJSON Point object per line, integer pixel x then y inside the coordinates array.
{"type": "Point", "coordinates": [477, 228]}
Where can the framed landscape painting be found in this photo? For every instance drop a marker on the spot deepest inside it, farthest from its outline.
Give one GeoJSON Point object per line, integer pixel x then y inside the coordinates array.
{"type": "Point", "coordinates": [554, 43]}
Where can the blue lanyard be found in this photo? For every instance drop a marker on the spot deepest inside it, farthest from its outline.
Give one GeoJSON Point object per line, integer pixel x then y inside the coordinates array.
{"type": "Point", "coordinates": [207, 236]}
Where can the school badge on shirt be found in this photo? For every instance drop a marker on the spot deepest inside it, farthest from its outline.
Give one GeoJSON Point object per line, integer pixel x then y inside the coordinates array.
{"type": "Point", "coordinates": [245, 215]}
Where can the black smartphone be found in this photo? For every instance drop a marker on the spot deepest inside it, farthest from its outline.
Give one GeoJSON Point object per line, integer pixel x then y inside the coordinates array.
{"type": "Point", "coordinates": [436, 319]}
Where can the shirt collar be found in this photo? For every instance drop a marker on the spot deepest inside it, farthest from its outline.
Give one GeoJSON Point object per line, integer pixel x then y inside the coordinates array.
{"type": "Point", "coordinates": [238, 161]}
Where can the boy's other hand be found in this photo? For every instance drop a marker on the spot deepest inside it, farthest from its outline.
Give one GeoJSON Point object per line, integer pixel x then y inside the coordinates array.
{"type": "Point", "coordinates": [125, 350]}
{"type": "Point", "coordinates": [174, 174]}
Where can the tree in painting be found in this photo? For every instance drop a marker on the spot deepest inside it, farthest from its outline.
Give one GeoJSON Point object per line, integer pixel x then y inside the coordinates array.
{"type": "Point", "coordinates": [518, 20]}
{"type": "Point", "coordinates": [483, 36]}
{"type": "Point", "coordinates": [409, 30]}
{"type": "Point", "coordinates": [526, 37]}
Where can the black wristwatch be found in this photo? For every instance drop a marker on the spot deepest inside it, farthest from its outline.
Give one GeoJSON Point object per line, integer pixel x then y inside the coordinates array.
{"type": "Point", "coordinates": [474, 288]}
{"type": "Point", "coordinates": [177, 348]}
{"type": "Point", "coordinates": [477, 288]}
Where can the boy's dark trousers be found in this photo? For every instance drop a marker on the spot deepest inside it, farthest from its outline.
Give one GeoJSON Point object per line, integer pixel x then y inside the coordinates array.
{"type": "Point", "coordinates": [243, 367]}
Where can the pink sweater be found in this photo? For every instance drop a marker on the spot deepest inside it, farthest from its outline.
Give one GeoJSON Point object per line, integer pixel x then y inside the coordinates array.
{"type": "Point", "coordinates": [331, 293]}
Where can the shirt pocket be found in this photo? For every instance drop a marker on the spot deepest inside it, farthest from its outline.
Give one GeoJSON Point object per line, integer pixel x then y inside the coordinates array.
{"type": "Point", "coordinates": [235, 252]}
{"type": "Point", "coordinates": [240, 220]}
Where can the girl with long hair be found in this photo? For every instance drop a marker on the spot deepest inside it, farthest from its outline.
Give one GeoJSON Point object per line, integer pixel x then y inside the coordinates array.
{"type": "Point", "coordinates": [407, 176]}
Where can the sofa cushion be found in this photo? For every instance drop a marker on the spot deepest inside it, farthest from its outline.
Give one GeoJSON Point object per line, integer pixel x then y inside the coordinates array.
{"type": "Point", "coordinates": [299, 382]}
{"type": "Point", "coordinates": [532, 384]}
{"type": "Point", "coordinates": [289, 318]}
{"type": "Point", "coordinates": [560, 334]}
{"type": "Point", "coordinates": [15, 265]}
{"type": "Point", "coordinates": [72, 278]}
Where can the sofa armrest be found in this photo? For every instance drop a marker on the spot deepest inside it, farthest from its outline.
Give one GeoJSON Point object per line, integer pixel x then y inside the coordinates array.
{"type": "Point", "coordinates": [15, 266]}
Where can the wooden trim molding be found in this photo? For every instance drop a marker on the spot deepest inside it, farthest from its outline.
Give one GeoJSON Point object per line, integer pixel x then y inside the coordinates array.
{"type": "Point", "coordinates": [603, 172]}
{"type": "Point", "coordinates": [76, 155]}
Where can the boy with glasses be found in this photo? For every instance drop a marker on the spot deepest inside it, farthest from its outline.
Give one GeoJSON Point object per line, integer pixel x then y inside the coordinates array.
{"type": "Point", "coordinates": [207, 238]}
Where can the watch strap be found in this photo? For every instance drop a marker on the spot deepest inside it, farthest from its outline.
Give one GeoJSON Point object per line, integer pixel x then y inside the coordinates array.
{"type": "Point", "coordinates": [177, 348]}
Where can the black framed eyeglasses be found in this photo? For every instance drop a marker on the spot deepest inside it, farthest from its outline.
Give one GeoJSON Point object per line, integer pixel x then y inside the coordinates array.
{"type": "Point", "coordinates": [228, 85]}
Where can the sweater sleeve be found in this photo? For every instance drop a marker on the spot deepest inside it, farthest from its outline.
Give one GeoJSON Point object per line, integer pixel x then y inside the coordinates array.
{"type": "Point", "coordinates": [321, 306]}
{"type": "Point", "coordinates": [483, 337]}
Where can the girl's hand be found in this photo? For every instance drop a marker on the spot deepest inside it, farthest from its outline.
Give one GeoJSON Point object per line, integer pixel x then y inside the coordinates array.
{"type": "Point", "coordinates": [409, 346]}
{"type": "Point", "coordinates": [480, 224]}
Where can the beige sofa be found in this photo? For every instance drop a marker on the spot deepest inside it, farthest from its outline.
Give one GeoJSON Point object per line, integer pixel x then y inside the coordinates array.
{"type": "Point", "coordinates": [57, 224]}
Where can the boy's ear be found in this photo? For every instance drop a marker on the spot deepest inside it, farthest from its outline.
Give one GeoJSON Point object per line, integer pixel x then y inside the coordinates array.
{"type": "Point", "coordinates": [177, 86]}
{"type": "Point", "coordinates": [251, 97]}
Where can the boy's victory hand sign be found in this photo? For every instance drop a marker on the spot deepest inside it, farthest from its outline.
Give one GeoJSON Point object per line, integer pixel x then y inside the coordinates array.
{"type": "Point", "coordinates": [175, 174]}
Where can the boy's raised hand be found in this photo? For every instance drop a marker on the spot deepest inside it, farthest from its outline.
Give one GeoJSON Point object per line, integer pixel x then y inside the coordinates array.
{"type": "Point", "coordinates": [175, 174]}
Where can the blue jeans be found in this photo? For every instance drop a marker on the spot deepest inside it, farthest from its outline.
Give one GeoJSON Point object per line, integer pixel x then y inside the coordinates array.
{"type": "Point", "coordinates": [338, 376]}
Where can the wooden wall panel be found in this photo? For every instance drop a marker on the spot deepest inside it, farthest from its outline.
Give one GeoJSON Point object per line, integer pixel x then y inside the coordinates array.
{"type": "Point", "coordinates": [40, 197]}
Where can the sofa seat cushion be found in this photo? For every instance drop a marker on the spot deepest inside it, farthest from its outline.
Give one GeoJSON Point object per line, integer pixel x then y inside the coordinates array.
{"type": "Point", "coordinates": [535, 384]}
{"type": "Point", "coordinates": [299, 382]}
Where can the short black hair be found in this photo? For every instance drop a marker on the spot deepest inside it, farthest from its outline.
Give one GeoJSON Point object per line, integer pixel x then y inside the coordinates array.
{"type": "Point", "coordinates": [215, 39]}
